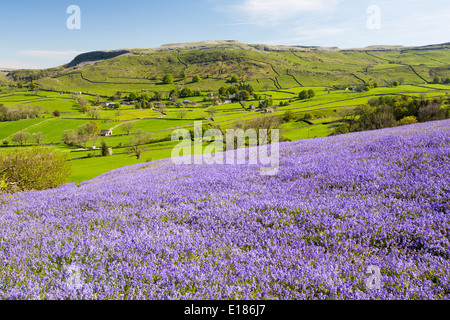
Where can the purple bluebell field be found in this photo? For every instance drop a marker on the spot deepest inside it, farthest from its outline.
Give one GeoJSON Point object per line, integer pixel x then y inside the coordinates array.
{"type": "Point", "coordinates": [162, 231]}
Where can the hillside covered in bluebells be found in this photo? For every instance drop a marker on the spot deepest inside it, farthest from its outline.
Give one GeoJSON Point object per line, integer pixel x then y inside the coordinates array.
{"type": "Point", "coordinates": [337, 206]}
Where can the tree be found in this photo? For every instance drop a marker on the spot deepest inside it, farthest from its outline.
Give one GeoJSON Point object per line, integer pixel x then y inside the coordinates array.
{"type": "Point", "coordinates": [38, 137]}
{"type": "Point", "coordinates": [311, 94]}
{"type": "Point", "coordinates": [288, 116]}
{"type": "Point", "coordinates": [374, 101]}
{"type": "Point", "coordinates": [431, 112]}
{"type": "Point", "coordinates": [68, 136]}
{"type": "Point", "coordinates": [186, 92]}
{"type": "Point", "coordinates": [447, 81]}
{"type": "Point", "coordinates": [83, 104]}
{"type": "Point", "coordinates": [106, 150]}
{"type": "Point", "coordinates": [147, 105]}
{"type": "Point", "coordinates": [173, 95]}
{"type": "Point", "coordinates": [168, 79]}
{"type": "Point", "coordinates": [21, 137]}
{"type": "Point", "coordinates": [84, 132]}
{"type": "Point", "coordinates": [268, 123]}
{"type": "Point", "coordinates": [132, 96]}
{"type": "Point", "coordinates": [267, 103]}
{"type": "Point", "coordinates": [157, 96]}
{"type": "Point", "coordinates": [96, 100]}
{"type": "Point", "coordinates": [128, 127]}
{"type": "Point", "coordinates": [87, 131]}
{"type": "Point", "coordinates": [94, 113]}
{"type": "Point", "coordinates": [308, 116]}
{"type": "Point", "coordinates": [117, 96]}
{"type": "Point", "coordinates": [182, 114]}
{"type": "Point", "coordinates": [196, 79]}
{"type": "Point", "coordinates": [437, 80]}
{"type": "Point", "coordinates": [56, 114]}
{"type": "Point", "coordinates": [243, 95]}
{"type": "Point", "coordinates": [223, 91]}
{"type": "Point", "coordinates": [138, 140]}
{"type": "Point", "coordinates": [395, 83]}
{"type": "Point", "coordinates": [234, 79]}
{"type": "Point", "coordinates": [162, 108]}
{"type": "Point", "coordinates": [34, 169]}
{"type": "Point", "coordinates": [303, 95]}
{"type": "Point", "coordinates": [233, 90]}
{"type": "Point", "coordinates": [212, 111]}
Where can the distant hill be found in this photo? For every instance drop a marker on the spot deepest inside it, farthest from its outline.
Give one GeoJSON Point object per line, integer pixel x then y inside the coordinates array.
{"type": "Point", "coordinates": [264, 66]}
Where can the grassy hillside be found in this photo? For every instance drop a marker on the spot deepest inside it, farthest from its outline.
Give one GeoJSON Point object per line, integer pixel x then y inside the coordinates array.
{"type": "Point", "coordinates": [280, 73]}
{"type": "Point", "coordinates": [263, 67]}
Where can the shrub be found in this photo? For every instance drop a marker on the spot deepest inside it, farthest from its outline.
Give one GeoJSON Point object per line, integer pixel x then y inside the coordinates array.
{"type": "Point", "coordinates": [303, 95]}
{"type": "Point", "coordinates": [374, 101]}
{"type": "Point", "coordinates": [168, 79]}
{"type": "Point", "coordinates": [306, 94]}
{"type": "Point", "coordinates": [21, 137]}
{"type": "Point", "coordinates": [106, 150]}
{"type": "Point", "coordinates": [431, 112]}
{"type": "Point", "coordinates": [308, 116]}
{"type": "Point", "coordinates": [289, 116]}
{"type": "Point", "coordinates": [407, 120]}
{"type": "Point", "coordinates": [34, 169]}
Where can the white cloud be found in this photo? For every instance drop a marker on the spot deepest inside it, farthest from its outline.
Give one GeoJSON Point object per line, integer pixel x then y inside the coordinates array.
{"type": "Point", "coordinates": [273, 11]}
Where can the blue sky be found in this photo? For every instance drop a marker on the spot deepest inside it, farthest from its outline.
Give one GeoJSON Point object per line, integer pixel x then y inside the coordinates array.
{"type": "Point", "coordinates": [34, 34]}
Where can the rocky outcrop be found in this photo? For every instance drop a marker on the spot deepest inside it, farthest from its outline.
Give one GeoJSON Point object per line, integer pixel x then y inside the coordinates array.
{"type": "Point", "coordinates": [96, 56]}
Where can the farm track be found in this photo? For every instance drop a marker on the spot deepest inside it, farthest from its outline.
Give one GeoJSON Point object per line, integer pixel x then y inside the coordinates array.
{"type": "Point", "coordinates": [27, 128]}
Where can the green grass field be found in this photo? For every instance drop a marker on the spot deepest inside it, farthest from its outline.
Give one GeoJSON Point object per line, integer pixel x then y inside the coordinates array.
{"type": "Point", "coordinates": [324, 107]}
{"type": "Point", "coordinates": [280, 74]}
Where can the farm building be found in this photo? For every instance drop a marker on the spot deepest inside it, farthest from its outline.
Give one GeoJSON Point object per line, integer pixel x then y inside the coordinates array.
{"type": "Point", "coordinates": [106, 133]}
